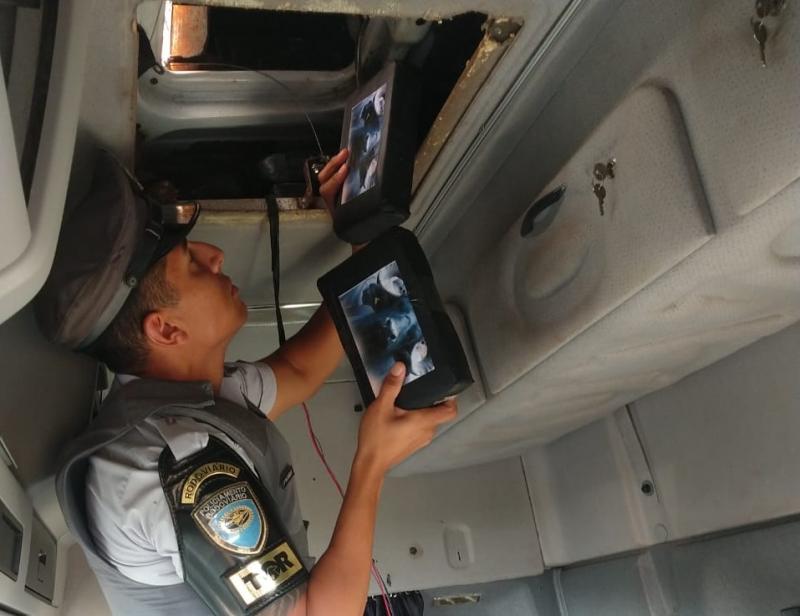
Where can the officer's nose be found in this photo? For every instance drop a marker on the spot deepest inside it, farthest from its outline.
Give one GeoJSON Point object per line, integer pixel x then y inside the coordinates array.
{"type": "Point", "coordinates": [211, 256]}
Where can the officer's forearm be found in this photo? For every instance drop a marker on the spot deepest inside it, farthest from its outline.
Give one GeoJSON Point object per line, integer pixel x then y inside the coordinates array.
{"type": "Point", "coordinates": [340, 580]}
{"type": "Point", "coordinates": [316, 349]}
{"type": "Point", "coordinates": [302, 365]}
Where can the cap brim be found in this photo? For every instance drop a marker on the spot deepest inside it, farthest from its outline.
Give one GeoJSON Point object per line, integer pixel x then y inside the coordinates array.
{"type": "Point", "coordinates": [178, 220]}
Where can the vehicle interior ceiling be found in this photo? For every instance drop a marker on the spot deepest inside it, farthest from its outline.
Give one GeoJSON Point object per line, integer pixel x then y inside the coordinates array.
{"type": "Point", "coordinates": [608, 195]}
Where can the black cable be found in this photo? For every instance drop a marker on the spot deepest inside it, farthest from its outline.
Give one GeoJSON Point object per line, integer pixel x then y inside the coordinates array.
{"type": "Point", "coordinates": [273, 218]}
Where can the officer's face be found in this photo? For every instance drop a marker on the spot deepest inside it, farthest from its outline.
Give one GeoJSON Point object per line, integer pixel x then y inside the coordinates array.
{"type": "Point", "coordinates": [209, 308]}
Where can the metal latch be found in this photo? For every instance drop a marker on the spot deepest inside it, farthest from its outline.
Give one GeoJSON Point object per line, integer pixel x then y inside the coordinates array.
{"type": "Point", "coordinates": [602, 172]}
{"type": "Point", "coordinates": [42, 565]}
{"type": "Point", "coordinates": [764, 10]}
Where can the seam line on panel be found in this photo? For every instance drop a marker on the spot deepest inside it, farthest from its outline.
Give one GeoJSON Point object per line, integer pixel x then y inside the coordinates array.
{"type": "Point", "coordinates": [533, 512]}
{"type": "Point", "coordinates": [638, 434]}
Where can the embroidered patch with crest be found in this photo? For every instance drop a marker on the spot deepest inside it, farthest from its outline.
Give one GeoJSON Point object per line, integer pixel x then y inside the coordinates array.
{"type": "Point", "coordinates": [233, 518]}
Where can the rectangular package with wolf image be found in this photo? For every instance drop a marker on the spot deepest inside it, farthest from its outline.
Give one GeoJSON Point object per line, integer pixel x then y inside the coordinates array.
{"type": "Point", "coordinates": [384, 303]}
{"type": "Point", "coordinates": [379, 130]}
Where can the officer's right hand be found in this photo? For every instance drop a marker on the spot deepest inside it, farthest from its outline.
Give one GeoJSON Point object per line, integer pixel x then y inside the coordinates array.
{"type": "Point", "coordinates": [331, 178]}
{"type": "Point", "coordinates": [388, 435]}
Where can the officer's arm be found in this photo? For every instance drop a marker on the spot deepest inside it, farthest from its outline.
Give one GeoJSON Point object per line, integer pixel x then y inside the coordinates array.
{"type": "Point", "coordinates": [303, 364]}
{"type": "Point", "coordinates": [291, 604]}
{"type": "Point", "coordinates": [340, 581]}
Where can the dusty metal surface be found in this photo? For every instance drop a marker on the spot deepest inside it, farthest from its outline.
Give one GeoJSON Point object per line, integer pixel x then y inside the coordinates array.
{"type": "Point", "coordinates": [254, 211]}
{"type": "Point", "coordinates": [426, 9]}
{"type": "Point", "coordinates": [500, 33]}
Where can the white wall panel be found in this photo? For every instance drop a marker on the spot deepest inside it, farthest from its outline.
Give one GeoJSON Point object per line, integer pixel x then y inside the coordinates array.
{"type": "Point", "coordinates": [719, 447]}
{"type": "Point", "coordinates": [593, 493]}
{"type": "Point", "coordinates": [574, 481]}
{"type": "Point", "coordinates": [581, 496]}
{"type": "Point", "coordinates": [723, 442]}
{"type": "Point", "coordinates": [752, 573]}
{"type": "Point", "coordinates": [13, 593]}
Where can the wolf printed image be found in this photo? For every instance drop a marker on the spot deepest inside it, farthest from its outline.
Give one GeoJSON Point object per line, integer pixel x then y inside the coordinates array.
{"type": "Point", "coordinates": [381, 316]}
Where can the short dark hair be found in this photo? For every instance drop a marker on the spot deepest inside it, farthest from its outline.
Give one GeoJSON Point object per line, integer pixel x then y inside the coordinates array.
{"type": "Point", "coordinates": [123, 345]}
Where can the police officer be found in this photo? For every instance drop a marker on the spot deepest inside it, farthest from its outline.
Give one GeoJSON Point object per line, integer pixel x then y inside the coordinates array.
{"type": "Point", "coordinates": [180, 492]}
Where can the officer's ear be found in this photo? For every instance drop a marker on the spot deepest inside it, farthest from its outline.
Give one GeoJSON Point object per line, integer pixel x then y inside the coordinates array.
{"type": "Point", "coordinates": [161, 331]}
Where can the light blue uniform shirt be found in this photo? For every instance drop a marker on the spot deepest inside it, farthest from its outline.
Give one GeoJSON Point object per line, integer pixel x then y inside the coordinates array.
{"type": "Point", "coordinates": [128, 515]}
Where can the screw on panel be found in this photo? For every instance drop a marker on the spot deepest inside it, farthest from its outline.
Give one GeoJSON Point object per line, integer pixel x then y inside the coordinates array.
{"type": "Point", "coordinates": [648, 489]}
{"type": "Point", "coordinates": [503, 29]}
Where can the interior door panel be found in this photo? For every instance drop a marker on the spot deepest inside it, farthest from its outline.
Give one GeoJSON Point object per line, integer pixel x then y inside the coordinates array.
{"type": "Point", "coordinates": [536, 293]}
{"type": "Point", "coordinates": [695, 257]}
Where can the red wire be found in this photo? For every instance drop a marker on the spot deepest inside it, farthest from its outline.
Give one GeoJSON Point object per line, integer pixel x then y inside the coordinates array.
{"type": "Point", "coordinates": [318, 448]}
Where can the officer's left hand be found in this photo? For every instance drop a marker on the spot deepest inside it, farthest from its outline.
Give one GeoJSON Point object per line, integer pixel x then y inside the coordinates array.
{"type": "Point", "coordinates": [331, 179]}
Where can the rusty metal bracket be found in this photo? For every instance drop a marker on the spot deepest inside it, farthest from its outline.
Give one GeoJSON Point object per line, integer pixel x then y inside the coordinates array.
{"type": "Point", "coordinates": [499, 33]}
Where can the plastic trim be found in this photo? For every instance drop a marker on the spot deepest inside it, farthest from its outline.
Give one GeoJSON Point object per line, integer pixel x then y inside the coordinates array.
{"type": "Point", "coordinates": [23, 278]}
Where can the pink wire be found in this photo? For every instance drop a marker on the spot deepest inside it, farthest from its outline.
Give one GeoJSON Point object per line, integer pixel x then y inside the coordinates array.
{"type": "Point", "coordinates": [318, 448]}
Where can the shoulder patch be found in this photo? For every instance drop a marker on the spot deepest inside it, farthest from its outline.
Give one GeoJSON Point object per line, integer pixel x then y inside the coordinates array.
{"type": "Point", "coordinates": [237, 554]}
{"type": "Point", "coordinates": [191, 485]}
{"type": "Point", "coordinates": [264, 575]}
{"type": "Point", "coordinates": [233, 519]}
